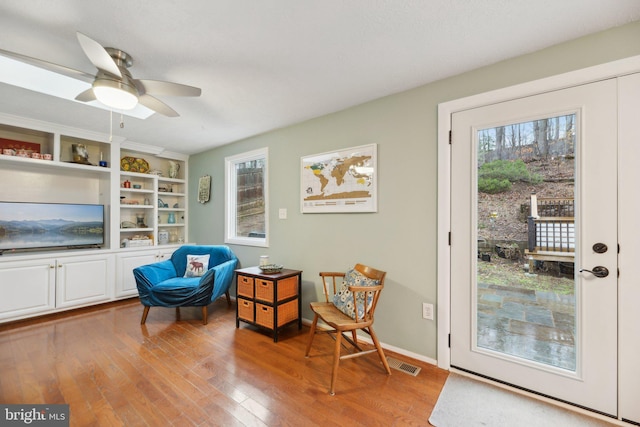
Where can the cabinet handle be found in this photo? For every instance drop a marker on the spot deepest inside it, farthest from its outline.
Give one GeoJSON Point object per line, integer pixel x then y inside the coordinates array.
{"type": "Point", "coordinates": [59, 265]}
{"type": "Point", "coordinates": [52, 266]}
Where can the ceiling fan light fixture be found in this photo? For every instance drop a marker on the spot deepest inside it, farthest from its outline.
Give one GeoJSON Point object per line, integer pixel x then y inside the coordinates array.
{"type": "Point", "coordinates": [115, 94]}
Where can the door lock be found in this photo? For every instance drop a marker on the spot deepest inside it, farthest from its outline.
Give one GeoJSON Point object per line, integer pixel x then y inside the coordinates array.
{"type": "Point", "coordinates": [600, 248]}
{"type": "Point", "coordinates": [598, 271]}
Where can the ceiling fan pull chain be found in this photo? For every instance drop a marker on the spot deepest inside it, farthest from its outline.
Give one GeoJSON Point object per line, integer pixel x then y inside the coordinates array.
{"type": "Point", "coordinates": [110, 126]}
{"type": "Point", "coordinates": [121, 121]}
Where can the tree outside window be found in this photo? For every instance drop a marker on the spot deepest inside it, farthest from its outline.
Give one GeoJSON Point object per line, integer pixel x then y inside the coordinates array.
{"type": "Point", "coordinates": [246, 198]}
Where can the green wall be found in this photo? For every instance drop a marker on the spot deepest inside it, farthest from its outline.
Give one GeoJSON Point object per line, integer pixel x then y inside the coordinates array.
{"type": "Point", "coordinates": [401, 237]}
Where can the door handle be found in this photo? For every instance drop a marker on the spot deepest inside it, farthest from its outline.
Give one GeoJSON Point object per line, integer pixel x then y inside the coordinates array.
{"type": "Point", "coordinates": [598, 271]}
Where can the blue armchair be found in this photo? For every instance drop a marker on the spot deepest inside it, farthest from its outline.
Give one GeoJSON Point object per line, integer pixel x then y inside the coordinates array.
{"type": "Point", "coordinates": [183, 280]}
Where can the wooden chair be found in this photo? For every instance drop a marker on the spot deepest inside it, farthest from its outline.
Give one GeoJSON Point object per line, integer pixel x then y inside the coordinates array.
{"type": "Point", "coordinates": [365, 299]}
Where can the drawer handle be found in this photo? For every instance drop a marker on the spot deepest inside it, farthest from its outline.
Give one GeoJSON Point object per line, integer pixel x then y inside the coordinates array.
{"type": "Point", "coordinates": [245, 303]}
{"type": "Point", "coordinates": [264, 309]}
{"type": "Point", "coordinates": [264, 284]}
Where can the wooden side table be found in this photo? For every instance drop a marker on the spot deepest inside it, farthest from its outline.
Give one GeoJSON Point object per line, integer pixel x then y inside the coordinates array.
{"type": "Point", "coordinates": [269, 301]}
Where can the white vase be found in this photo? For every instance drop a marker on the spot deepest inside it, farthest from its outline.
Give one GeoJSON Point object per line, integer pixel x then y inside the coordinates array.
{"type": "Point", "coordinates": [174, 168]}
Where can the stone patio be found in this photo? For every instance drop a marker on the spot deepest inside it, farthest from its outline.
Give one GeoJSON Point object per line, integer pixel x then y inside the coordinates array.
{"type": "Point", "coordinates": [533, 325]}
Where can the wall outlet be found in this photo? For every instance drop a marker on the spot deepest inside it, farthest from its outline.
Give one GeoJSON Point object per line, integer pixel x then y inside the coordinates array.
{"type": "Point", "coordinates": [427, 311]}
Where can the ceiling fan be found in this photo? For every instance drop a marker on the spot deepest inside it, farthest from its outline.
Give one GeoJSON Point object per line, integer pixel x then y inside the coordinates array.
{"type": "Point", "coordinates": [113, 84]}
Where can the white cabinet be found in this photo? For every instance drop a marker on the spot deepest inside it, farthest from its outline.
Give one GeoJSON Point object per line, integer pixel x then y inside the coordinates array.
{"type": "Point", "coordinates": [27, 288]}
{"type": "Point", "coordinates": [127, 261]}
{"type": "Point", "coordinates": [39, 286]}
{"type": "Point", "coordinates": [83, 280]}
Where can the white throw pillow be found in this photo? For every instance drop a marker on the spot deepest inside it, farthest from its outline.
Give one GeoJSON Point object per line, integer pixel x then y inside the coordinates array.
{"type": "Point", "coordinates": [197, 265]}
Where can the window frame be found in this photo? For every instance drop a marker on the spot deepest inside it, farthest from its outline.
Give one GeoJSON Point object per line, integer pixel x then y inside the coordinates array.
{"type": "Point", "coordinates": [231, 192]}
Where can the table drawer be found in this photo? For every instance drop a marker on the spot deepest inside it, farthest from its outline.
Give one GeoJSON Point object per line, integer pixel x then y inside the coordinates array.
{"type": "Point", "coordinates": [245, 309]}
{"type": "Point", "coordinates": [264, 290]}
{"type": "Point", "coordinates": [245, 286]}
{"type": "Point", "coordinates": [286, 288]}
{"type": "Point", "coordinates": [286, 313]}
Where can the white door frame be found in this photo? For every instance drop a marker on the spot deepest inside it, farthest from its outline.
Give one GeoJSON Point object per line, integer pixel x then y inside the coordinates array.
{"type": "Point", "coordinates": [445, 110]}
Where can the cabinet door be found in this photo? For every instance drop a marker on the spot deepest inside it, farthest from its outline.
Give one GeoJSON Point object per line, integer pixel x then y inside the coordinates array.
{"type": "Point", "coordinates": [165, 253]}
{"type": "Point", "coordinates": [83, 280]}
{"type": "Point", "coordinates": [27, 288]}
{"type": "Point", "coordinates": [126, 284]}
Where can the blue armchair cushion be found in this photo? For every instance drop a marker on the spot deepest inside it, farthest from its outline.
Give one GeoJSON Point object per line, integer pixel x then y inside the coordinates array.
{"type": "Point", "coordinates": [343, 299]}
{"type": "Point", "coordinates": [196, 265]}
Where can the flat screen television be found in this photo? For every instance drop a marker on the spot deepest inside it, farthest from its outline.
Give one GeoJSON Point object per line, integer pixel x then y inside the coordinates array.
{"type": "Point", "coordinates": [25, 225]}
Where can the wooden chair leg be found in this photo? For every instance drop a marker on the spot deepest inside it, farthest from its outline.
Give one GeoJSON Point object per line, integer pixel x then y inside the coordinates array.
{"type": "Point", "coordinates": [178, 314]}
{"type": "Point", "coordinates": [383, 359]}
{"type": "Point", "coordinates": [336, 362]}
{"type": "Point", "coordinates": [228, 298]}
{"type": "Point", "coordinates": [204, 314]}
{"type": "Point", "coordinates": [144, 314]}
{"type": "Point", "coordinates": [312, 333]}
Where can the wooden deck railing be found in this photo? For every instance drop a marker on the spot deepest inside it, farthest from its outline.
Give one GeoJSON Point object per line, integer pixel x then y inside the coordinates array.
{"type": "Point", "coordinates": [551, 229]}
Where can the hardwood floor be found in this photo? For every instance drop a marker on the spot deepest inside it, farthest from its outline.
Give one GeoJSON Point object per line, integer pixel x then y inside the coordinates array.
{"type": "Point", "coordinates": [112, 371]}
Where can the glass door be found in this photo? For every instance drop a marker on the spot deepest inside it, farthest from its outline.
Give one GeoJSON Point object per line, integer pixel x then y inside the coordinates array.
{"type": "Point", "coordinates": [534, 244]}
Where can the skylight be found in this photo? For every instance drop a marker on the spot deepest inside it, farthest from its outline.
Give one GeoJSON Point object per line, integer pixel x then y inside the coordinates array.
{"type": "Point", "coordinates": [20, 74]}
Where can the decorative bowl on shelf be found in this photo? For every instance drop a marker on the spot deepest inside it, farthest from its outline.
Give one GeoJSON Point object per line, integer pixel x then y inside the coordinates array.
{"type": "Point", "coordinates": [134, 164]}
{"type": "Point", "coordinates": [271, 268]}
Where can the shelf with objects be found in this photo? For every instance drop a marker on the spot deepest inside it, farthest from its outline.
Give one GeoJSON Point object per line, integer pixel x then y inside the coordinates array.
{"type": "Point", "coordinates": [41, 149]}
{"type": "Point", "coordinates": [172, 214]}
{"type": "Point", "coordinates": [166, 174]}
{"type": "Point", "coordinates": [137, 209]}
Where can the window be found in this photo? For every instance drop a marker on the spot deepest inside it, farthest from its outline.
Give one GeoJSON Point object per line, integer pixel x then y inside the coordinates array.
{"type": "Point", "coordinates": [246, 197]}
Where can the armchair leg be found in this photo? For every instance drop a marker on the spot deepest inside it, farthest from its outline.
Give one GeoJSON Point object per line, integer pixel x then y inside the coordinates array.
{"type": "Point", "coordinates": [204, 315]}
{"type": "Point", "coordinates": [178, 314]}
{"type": "Point", "coordinates": [312, 332]}
{"type": "Point", "coordinates": [336, 362]}
{"type": "Point", "coordinates": [228, 298]}
{"type": "Point", "coordinates": [383, 359]}
{"type": "Point", "coordinates": [144, 314]}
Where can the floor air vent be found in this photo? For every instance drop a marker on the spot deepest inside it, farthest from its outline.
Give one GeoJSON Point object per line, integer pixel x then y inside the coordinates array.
{"type": "Point", "coordinates": [403, 366]}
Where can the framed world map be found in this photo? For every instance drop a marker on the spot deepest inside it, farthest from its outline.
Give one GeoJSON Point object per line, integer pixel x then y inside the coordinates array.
{"type": "Point", "coordinates": [340, 181]}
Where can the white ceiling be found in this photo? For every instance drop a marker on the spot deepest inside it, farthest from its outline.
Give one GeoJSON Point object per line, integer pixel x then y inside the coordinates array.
{"type": "Point", "coordinates": [265, 64]}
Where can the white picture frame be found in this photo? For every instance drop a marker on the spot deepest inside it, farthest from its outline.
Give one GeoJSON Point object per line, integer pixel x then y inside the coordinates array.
{"type": "Point", "coordinates": [344, 180]}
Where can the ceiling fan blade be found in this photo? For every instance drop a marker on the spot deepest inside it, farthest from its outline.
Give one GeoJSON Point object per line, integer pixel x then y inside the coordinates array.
{"type": "Point", "coordinates": [157, 87]}
{"type": "Point", "coordinates": [157, 106]}
{"type": "Point", "coordinates": [86, 96]}
{"type": "Point", "coordinates": [98, 55]}
{"type": "Point", "coordinates": [50, 66]}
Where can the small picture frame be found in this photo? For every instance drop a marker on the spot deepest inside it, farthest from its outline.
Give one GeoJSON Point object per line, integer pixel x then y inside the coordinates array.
{"type": "Point", "coordinates": [204, 189]}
